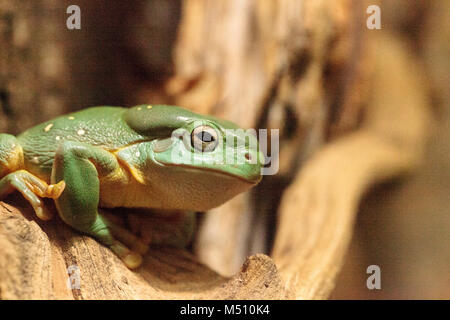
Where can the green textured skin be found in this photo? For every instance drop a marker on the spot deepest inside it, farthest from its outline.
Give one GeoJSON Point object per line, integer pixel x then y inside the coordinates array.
{"type": "Point", "coordinates": [103, 126]}
{"type": "Point", "coordinates": [112, 157]}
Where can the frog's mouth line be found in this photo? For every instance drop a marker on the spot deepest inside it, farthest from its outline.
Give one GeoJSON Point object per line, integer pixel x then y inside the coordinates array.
{"type": "Point", "coordinates": [248, 181]}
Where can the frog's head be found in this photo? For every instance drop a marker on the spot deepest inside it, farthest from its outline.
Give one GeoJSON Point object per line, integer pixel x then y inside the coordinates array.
{"type": "Point", "coordinates": [202, 161]}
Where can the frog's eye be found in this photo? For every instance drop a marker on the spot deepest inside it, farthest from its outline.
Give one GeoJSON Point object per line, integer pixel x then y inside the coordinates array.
{"type": "Point", "coordinates": [204, 138]}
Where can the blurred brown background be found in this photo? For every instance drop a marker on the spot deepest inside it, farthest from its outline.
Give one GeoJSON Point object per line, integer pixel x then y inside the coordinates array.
{"type": "Point", "coordinates": [299, 66]}
{"type": "Point", "coordinates": [404, 226]}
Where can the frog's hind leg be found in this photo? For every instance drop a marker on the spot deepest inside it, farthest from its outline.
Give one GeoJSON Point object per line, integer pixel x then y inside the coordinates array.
{"type": "Point", "coordinates": [15, 178]}
{"type": "Point", "coordinates": [32, 188]}
{"type": "Point", "coordinates": [11, 155]}
{"type": "Point", "coordinates": [80, 166]}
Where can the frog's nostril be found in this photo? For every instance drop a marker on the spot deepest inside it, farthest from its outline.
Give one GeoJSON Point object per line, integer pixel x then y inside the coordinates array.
{"type": "Point", "coordinates": [248, 156]}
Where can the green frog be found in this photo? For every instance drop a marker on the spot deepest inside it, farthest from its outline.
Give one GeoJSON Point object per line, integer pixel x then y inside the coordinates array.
{"type": "Point", "coordinates": [148, 156]}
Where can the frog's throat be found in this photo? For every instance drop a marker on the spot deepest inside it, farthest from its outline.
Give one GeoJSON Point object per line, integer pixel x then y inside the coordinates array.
{"type": "Point", "coordinates": [234, 176]}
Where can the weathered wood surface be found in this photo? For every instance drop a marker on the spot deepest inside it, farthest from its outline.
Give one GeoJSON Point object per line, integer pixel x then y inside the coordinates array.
{"type": "Point", "coordinates": [37, 258]}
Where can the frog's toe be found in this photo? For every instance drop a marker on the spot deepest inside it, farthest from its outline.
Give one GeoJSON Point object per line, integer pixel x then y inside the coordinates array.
{"type": "Point", "coordinates": [128, 238]}
{"type": "Point", "coordinates": [38, 205]}
{"type": "Point", "coordinates": [54, 190]}
{"type": "Point", "coordinates": [132, 260]}
{"type": "Point", "coordinates": [43, 213]}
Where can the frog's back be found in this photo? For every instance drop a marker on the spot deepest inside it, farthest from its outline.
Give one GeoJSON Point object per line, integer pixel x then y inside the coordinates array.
{"type": "Point", "coordinates": [96, 126]}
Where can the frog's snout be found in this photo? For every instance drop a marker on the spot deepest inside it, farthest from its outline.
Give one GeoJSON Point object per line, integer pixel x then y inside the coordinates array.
{"type": "Point", "coordinates": [254, 161]}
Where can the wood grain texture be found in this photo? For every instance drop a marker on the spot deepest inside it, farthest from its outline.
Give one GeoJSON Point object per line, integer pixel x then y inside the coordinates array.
{"type": "Point", "coordinates": [36, 256]}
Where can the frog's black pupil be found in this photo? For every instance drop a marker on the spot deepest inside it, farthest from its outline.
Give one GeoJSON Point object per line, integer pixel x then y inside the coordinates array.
{"type": "Point", "coordinates": [205, 136]}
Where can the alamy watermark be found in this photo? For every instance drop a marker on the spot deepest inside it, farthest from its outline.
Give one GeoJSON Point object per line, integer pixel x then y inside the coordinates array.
{"type": "Point", "coordinates": [74, 20]}
{"type": "Point", "coordinates": [374, 280]}
{"type": "Point", "coordinates": [374, 20]}
{"type": "Point", "coordinates": [74, 280]}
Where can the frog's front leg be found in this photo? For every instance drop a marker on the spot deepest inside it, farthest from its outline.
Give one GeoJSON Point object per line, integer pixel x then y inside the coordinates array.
{"type": "Point", "coordinates": [80, 166]}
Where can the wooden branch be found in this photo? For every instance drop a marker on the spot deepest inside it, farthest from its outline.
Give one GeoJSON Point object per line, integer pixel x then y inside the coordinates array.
{"type": "Point", "coordinates": [37, 258]}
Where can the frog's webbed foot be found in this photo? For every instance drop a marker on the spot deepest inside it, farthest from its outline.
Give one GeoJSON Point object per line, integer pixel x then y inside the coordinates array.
{"type": "Point", "coordinates": [123, 243]}
{"type": "Point", "coordinates": [32, 188]}
{"type": "Point", "coordinates": [125, 236]}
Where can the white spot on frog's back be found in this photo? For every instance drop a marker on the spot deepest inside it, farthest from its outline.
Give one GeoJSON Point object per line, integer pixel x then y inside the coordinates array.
{"type": "Point", "coordinates": [139, 108]}
{"type": "Point", "coordinates": [58, 138]}
{"type": "Point", "coordinates": [48, 127]}
{"type": "Point", "coordinates": [71, 118]}
{"type": "Point", "coordinates": [137, 154]}
{"type": "Point", "coordinates": [81, 132]}
{"type": "Point", "coordinates": [35, 160]}
{"type": "Point", "coordinates": [149, 107]}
